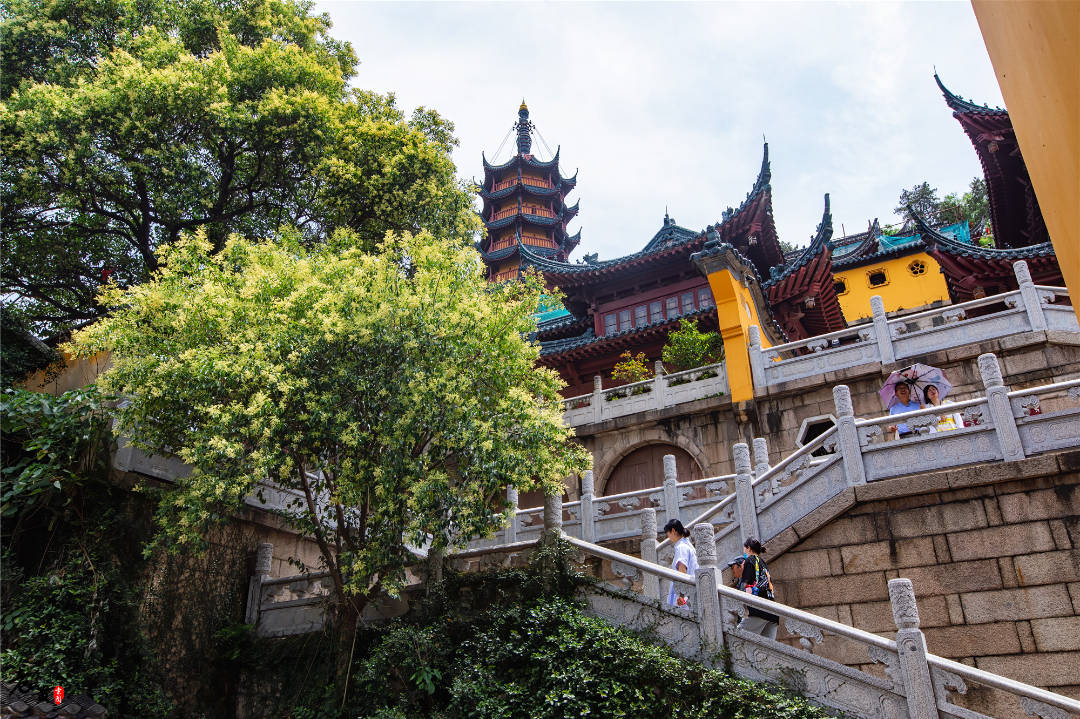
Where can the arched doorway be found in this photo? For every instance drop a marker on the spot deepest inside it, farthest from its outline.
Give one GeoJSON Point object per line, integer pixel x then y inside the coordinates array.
{"type": "Point", "coordinates": [644, 468]}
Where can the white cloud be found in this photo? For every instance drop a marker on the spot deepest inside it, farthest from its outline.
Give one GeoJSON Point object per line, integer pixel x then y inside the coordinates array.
{"type": "Point", "coordinates": [664, 104]}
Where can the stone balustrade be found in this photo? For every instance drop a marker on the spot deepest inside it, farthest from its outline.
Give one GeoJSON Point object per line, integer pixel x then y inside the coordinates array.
{"type": "Point", "coordinates": [883, 341]}
{"type": "Point", "coordinates": [914, 683]}
{"type": "Point", "coordinates": [663, 390]}
{"type": "Point", "coordinates": [764, 500]}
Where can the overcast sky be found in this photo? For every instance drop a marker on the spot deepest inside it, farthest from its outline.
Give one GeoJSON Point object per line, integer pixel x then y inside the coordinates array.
{"type": "Point", "coordinates": [665, 104]}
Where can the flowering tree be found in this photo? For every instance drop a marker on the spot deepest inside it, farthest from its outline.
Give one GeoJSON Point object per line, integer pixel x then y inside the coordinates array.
{"type": "Point", "coordinates": [395, 393]}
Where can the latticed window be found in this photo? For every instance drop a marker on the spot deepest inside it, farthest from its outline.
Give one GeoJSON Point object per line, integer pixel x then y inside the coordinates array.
{"type": "Point", "coordinates": [877, 278]}
{"type": "Point", "coordinates": [624, 320]}
{"type": "Point", "coordinates": [641, 316]}
{"type": "Point", "coordinates": [672, 307]}
{"type": "Point", "coordinates": [840, 286]}
{"type": "Point", "coordinates": [704, 298]}
{"type": "Point", "coordinates": [656, 312]}
{"type": "Point", "coordinates": [688, 303]}
{"type": "Point", "coordinates": [610, 324]}
{"type": "Point", "coordinates": [916, 268]}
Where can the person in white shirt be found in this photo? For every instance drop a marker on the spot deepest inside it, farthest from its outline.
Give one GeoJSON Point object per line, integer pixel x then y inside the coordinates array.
{"type": "Point", "coordinates": [685, 561]}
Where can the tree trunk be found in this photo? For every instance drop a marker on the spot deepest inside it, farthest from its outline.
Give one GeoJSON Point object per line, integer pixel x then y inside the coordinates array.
{"type": "Point", "coordinates": [348, 621]}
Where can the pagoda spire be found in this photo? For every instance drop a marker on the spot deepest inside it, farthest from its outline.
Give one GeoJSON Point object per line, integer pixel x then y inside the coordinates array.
{"type": "Point", "coordinates": [524, 129]}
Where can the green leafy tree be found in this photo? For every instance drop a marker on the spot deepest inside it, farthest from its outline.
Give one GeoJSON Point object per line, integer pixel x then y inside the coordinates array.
{"type": "Point", "coordinates": [921, 198]}
{"type": "Point", "coordinates": [688, 347]}
{"type": "Point", "coordinates": [631, 368]}
{"type": "Point", "coordinates": [394, 394]}
{"type": "Point", "coordinates": [129, 123]}
{"type": "Point", "coordinates": [973, 205]}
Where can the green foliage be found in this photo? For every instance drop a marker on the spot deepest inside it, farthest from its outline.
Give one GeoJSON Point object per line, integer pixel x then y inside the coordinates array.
{"type": "Point", "coordinates": [631, 368]}
{"type": "Point", "coordinates": [973, 206]}
{"type": "Point", "coordinates": [399, 388]}
{"type": "Point", "coordinates": [128, 123]}
{"type": "Point", "coordinates": [921, 198]}
{"type": "Point", "coordinates": [51, 445]}
{"type": "Point", "coordinates": [547, 659]}
{"type": "Point", "coordinates": [20, 352]}
{"type": "Point", "coordinates": [688, 347]}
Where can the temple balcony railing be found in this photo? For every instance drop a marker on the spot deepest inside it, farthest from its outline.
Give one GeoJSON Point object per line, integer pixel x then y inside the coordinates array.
{"type": "Point", "coordinates": [885, 341]}
{"type": "Point", "coordinates": [505, 276]}
{"type": "Point", "coordinates": [663, 390]}
{"type": "Point", "coordinates": [762, 500]}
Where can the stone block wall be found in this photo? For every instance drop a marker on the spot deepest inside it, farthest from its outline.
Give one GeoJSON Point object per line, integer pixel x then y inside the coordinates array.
{"type": "Point", "coordinates": [996, 570]}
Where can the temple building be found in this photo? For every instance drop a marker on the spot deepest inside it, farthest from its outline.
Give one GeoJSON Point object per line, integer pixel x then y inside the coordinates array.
{"type": "Point", "coordinates": [733, 275]}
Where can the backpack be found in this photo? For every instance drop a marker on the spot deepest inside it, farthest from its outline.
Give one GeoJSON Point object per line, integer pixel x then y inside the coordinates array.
{"type": "Point", "coordinates": [761, 586]}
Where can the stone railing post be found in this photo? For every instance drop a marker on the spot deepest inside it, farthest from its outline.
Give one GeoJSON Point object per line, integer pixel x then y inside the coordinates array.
{"type": "Point", "coordinates": [708, 579]}
{"type": "Point", "coordinates": [650, 585]}
{"type": "Point", "coordinates": [1000, 409]}
{"type": "Point", "coordinates": [847, 437]}
{"type": "Point", "coordinates": [659, 385]}
{"type": "Point", "coordinates": [264, 554]}
{"type": "Point", "coordinates": [911, 647]}
{"type": "Point", "coordinates": [552, 518]}
{"type": "Point", "coordinates": [1030, 296]}
{"type": "Point", "coordinates": [744, 492]}
{"type": "Point", "coordinates": [671, 489]}
{"type": "Point", "coordinates": [598, 398]}
{"type": "Point", "coordinates": [761, 456]}
{"type": "Point", "coordinates": [512, 503]}
{"type": "Point", "coordinates": [881, 331]}
{"type": "Point", "coordinates": [588, 519]}
{"type": "Point", "coordinates": [757, 361]}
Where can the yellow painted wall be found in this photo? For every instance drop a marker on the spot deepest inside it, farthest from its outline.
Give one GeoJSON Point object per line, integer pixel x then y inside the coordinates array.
{"type": "Point", "coordinates": [1035, 50]}
{"type": "Point", "coordinates": [736, 312]}
{"type": "Point", "coordinates": [902, 291]}
{"type": "Point", "coordinates": [78, 373]}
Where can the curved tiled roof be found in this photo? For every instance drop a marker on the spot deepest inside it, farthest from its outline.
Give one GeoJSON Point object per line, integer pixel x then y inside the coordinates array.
{"type": "Point", "coordinates": [959, 104]}
{"type": "Point", "coordinates": [527, 161]}
{"type": "Point", "coordinates": [589, 337]}
{"type": "Point", "coordinates": [525, 188]}
{"type": "Point", "coordinates": [942, 242]}
{"type": "Point", "coordinates": [668, 235]}
{"type": "Point", "coordinates": [716, 247]}
{"type": "Point", "coordinates": [818, 244]}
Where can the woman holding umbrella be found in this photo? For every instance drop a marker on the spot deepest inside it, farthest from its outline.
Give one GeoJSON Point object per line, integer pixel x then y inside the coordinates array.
{"type": "Point", "coordinates": [948, 421]}
{"type": "Point", "coordinates": [904, 389]}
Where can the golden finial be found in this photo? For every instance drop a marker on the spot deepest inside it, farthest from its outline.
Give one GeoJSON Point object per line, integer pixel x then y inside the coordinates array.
{"type": "Point", "coordinates": [523, 105]}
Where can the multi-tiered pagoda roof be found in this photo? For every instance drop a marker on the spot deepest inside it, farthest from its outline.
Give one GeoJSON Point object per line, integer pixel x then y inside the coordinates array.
{"type": "Point", "coordinates": [524, 207]}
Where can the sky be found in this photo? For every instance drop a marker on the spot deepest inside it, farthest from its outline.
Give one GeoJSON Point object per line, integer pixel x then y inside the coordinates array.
{"type": "Point", "coordinates": [665, 105]}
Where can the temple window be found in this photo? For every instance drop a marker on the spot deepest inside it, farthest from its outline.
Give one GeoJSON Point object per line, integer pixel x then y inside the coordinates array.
{"type": "Point", "coordinates": [877, 278]}
{"type": "Point", "coordinates": [840, 286]}
{"type": "Point", "coordinates": [916, 268]}
{"type": "Point", "coordinates": [641, 316]}
{"type": "Point", "coordinates": [704, 298]}
{"type": "Point", "coordinates": [672, 307]}
{"type": "Point", "coordinates": [656, 312]}
{"type": "Point", "coordinates": [624, 320]}
{"type": "Point", "coordinates": [688, 303]}
{"type": "Point", "coordinates": [610, 324]}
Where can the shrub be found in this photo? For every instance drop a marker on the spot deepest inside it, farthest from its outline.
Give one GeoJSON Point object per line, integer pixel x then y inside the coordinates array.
{"type": "Point", "coordinates": [688, 347]}
{"type": "Point", "coordinates": [631, 368]}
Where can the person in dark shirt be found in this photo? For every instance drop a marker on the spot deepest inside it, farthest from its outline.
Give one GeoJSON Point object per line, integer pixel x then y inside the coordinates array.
{"type": "Point", "coordinates": [754, 578]}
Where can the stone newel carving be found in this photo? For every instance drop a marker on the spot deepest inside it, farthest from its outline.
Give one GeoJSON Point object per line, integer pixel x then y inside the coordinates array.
{"type": "Point", "coordinates": [512, 503]}
{"type": "Point", "coordinates": [651, 583]}
{"type": "Point", "coordinates": [757, 363]}
{"type": "Point", "coordinates": [264, 556]}
{"type": "Point", "coordinates": [588, 516]}
{"type": "Point", "coordinates": [847, 436]}
{"type": "Point", "coordinates": [708, 577]}
{"type": "Point", "coordinates": [1030, 296]}
{"type": "Point", "coordinates": [671, 490]}
{"type": "Point", "coordinates": [744, 492]}
{"type": "Point", "coordinates": [911, 648]}
{"type": "Point", "coordinates": [881, 330]}
{"type": "Point", "coordinates": [761, 456]}
{"type": "Point", "coordinates": [1001, 414]}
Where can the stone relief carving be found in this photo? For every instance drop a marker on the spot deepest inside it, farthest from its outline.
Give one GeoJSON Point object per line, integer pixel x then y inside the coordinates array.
{"type": "Point", "coordinates": [867, 434]}
{"type": "Point", "coordinates": [1047, 298]}
{"type": "Point", "coordinates": [1028, 406]}
{"type": "Point", "coordinates": [946, 683]}
{"type": "Point", "coordinates": [719, 488]}
{"type": "Point", "coordinates": [891, 662]}
{"type": "Point", "coordinates": [627, 573]}
{"type": "Point", "coordinates": [954, 316]}
{"type": "Point", "coordinates": [922, 425]}
{"type": "Point", "coordinates": [973, 415]}
{"type": "Point", "coordinates": [1043, 711]}
{"type": "Point", "coordinates": [805, 632]}
{"type": "Point", "coordinates": [1074, 393]}
{"type": "Point", "coordinates": [817, 345]}
{"type": "Point", "coordinates": [1012, 302]}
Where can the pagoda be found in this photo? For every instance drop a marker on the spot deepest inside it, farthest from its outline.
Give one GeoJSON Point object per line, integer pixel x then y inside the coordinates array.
{"type": "Point", "coordinates": [525, 208]}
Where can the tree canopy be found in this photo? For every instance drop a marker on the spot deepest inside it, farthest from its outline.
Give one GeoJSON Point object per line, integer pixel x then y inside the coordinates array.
{"type": "Point", "coordinates": [129, 123]}
{"type": "Point", "coordinates": [394, 395]}
{"type": "Point", "coordinates": [972, 206]}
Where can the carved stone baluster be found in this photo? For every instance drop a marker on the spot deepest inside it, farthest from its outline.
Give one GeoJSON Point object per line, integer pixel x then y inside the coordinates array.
{"type": "Point", "coordinates": [708, 579]}
{"type": "Point", "coordinates": [881, 331]}
{"type": "Point", "coordinates": [588, 516]}
{"type": "Point", "coordinates": [1030, 295]}
{"type": "Point", "coordinates": [671, 490]}
{"type": "Point", "coordinates": [911, 648]}
{"type": "Point", "coordinates": [651, 583]}
{"type": "Point", "coordinates": [757, 362]}
{"type": "Point", "coordinates": [1000, 409]}
{"type": "Point", "coordinates": [744, 492]}
{"type": "Point", "coordinates": [659, 385]}
{"type": "Point", "coordinates": [264, 555]}
{"type": "Point", "coordinates": [848, 437]}
{"type": "Point", "coordinates": [512, 503]}
{"type": "Point", "coordinates": [598, 398]}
